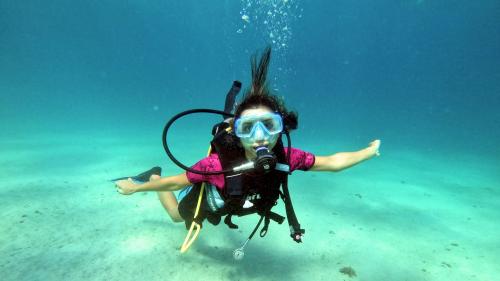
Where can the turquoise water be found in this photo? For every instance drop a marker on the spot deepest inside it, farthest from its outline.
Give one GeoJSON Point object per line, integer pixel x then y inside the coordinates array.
{"type": "Point", "coordinates": [86, 88]}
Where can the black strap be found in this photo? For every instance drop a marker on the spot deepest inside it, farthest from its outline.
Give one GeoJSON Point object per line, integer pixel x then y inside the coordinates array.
{"type": "Point", "coordinates": [275, 217]}
{"type": "Point", "coordinates": [256, 227]}
{"type": "Point", "coordinates": [229, 223]}
{"type": "Point", "coordinates": [263, 232]}
{"type": "Point", "coordinates": [295, 231]}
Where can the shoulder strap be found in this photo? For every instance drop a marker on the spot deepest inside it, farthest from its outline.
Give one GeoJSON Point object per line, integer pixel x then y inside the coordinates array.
{"type": "Point", "coordinates": [295, 231]}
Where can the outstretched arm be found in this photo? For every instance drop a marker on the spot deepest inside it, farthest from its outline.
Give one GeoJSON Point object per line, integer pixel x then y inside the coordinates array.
{"type": "Point", "coordinates": [172, 183]}
{"type": "Point", "coordinates": [343, 160]}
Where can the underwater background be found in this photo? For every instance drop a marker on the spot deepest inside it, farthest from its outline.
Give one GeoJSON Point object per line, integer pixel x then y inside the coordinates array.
{"type": "Point", "coordinates": [87, 86]}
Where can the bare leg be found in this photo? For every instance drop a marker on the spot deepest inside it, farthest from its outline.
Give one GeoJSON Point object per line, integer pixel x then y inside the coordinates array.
{"type": "Point", "coordinates": [169, 202]}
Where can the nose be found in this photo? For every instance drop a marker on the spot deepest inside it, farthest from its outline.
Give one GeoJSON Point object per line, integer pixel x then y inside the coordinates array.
{"type": "Point", "coordinates": [259, 134]}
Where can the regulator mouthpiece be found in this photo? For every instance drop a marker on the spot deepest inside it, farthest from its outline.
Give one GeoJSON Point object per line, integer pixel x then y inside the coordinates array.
{"type": "Point", "coordinates": [266, 160]}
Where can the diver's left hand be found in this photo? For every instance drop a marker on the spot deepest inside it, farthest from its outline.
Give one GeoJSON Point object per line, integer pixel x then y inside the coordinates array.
{"type": "Point", "coordinates": [374, 147]}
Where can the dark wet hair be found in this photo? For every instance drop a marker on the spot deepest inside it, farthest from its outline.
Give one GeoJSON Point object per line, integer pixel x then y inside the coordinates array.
{"type": "Point", "coordinates": [260, 95]}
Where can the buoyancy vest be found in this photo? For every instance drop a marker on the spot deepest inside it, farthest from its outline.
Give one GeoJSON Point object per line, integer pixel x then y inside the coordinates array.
{"type": "Point", "coordinates": [244, 193]}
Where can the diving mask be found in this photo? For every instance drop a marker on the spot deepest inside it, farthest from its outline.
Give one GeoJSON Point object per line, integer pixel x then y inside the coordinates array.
{"type": "Point", "coordinates": [262, 127]}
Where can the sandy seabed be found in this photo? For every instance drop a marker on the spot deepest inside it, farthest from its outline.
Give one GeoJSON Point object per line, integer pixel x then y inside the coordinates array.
{"type": "Point", "coordinates": [399, 217]}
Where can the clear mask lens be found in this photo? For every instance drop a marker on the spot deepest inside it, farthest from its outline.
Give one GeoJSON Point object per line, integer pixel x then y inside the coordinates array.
{"type": "Point", "coordinates": [258, 126]}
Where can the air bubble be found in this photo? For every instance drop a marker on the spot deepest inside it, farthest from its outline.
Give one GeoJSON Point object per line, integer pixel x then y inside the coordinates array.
{"type": "Point", "coordinates": [273, 18]}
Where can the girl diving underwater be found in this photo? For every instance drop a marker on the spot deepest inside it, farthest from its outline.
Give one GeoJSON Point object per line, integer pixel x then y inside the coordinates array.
{"type": "Point", "coordinates": [246, 167]}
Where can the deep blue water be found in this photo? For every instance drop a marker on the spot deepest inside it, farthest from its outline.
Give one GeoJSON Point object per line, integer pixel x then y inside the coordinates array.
{"type": "Point", "coordinates": [87, 86]}
{"type": "Point", "coordinates": [419, 72]}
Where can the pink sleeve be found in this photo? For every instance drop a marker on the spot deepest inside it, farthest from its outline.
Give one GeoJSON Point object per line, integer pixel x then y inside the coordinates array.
{"type": "Point", "coordinates": [300, 160]}
{"type": "Point", "coordinates": [207, 164]}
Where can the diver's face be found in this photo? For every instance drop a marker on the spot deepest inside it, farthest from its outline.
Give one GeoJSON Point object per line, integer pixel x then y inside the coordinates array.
{"type": "Point", "coordinates": [259, 135]}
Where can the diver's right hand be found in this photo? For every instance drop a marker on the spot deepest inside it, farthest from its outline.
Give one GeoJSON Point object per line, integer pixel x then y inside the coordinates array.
{"type": "Point", "coordinates": [126, 187]}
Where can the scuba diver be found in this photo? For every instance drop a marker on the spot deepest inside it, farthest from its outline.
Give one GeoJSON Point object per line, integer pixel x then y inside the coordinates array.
{"type": "Point", "coordinates": [247, 166]}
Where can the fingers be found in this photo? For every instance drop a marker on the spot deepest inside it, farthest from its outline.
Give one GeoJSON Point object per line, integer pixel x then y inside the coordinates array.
{"type": "Point", "coordinates": [376, 144]}
{"type": "Point", "coordinates": [119, 188]}
{"type": "Point", "coordinates": [125, 187]}
{"type": "Point", "coordinates": [123, 191]}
